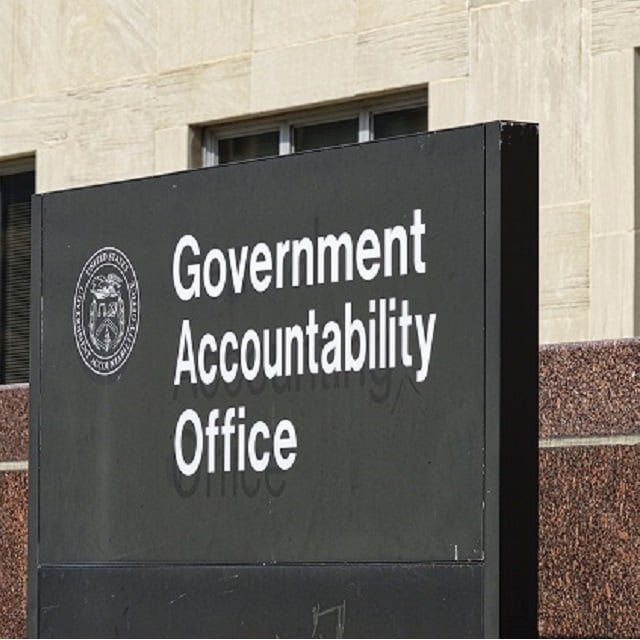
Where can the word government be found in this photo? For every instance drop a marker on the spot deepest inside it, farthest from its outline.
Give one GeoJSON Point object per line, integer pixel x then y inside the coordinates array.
{"type": "Point", "coordinates": [306, 259]}
{"type": "Point", "coordinates": [391, 334]}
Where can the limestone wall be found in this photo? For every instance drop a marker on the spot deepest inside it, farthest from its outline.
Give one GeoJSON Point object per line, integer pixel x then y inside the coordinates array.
{"type": "Point", "coordinates": [103, 91]}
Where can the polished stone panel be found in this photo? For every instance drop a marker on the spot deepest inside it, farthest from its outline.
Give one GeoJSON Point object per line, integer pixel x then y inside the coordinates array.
{"type": "Point", "coordinates": [13, 554]}
{"type": "Point", "coordinates": [590, 388]}
{"type": "Point", "coordinates": [14, 422]}
{"type": "Point", "coordinates": [589, 542]}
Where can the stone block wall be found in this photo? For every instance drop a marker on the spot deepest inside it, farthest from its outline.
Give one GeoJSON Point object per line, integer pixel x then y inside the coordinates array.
{"type": "Point", "coordinates": [103, 91]}
{"type": "Point", "coordinates": [589, 500]}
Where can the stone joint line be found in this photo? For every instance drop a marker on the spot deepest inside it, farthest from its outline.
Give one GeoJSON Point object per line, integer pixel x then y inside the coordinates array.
{"type": "Point", "coordinates": [590, 441]}
{"type": "Point", "coordinates": [14, 465]}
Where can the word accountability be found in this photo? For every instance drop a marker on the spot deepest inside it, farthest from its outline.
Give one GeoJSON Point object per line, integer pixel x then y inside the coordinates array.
{"type": "Point", "coordinates": [382, 341]}
{"type": "Point", "coordinates": [384, 334]}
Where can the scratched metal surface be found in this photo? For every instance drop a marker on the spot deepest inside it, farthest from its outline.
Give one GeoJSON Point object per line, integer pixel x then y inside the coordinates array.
{"type": "Point", "coordinates": [374, 601]}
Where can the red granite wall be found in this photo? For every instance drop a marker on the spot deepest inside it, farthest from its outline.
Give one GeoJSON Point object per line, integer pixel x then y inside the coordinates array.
{"type": "Point", "coordinates": [14, 421]}
{"type": "Point", "coordinates": [589, 559]}
{"type": "Point", "coordinates": [589, 533]}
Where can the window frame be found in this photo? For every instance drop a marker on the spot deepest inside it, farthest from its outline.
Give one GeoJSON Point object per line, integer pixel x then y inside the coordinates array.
{"type": "Point", "coordinates": [18, 164]}
{"type": "Point", "coordinates": [286, 123]}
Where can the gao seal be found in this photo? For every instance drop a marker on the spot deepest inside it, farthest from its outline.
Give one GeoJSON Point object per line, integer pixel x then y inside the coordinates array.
{"type": "Point", "coordinates": [106, 311]}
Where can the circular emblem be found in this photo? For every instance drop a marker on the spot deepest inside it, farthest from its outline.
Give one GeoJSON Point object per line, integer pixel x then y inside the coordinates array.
{"type": "Point", "coordinates": [106, 311]}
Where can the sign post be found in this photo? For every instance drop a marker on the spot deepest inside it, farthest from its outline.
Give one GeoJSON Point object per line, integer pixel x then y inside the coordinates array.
{"type": "Point", "coordinates": [291, 397]}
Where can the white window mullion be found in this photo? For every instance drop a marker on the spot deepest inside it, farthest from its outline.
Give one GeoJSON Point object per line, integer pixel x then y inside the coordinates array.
{"type": "Point", "coordinates": [286, 143]}
{"type": "Point", "coordinates": [278, 135]}
{"type": "Point", "coordinates": [210, 150]}
{"type": "Point", "coordinates": [364, 127]}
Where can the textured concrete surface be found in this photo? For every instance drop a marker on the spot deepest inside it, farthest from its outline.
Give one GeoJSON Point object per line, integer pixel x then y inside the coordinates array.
{"type": "Point", "coordinates": [14, 422]}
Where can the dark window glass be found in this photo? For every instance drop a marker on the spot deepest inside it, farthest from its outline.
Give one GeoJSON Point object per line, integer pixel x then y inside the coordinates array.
{"type": "Point", "coordinates": [398, 123]}
{"type": "Point", "coordinates": [15, 266]}
{"type": "Point", "coordinates": [326, 134]}
{"type": "Point", "coordinates": [260, 145]}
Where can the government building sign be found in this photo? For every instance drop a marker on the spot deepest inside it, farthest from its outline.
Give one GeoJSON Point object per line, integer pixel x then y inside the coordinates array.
{"type": "Point", "coordinates": [293, 397]}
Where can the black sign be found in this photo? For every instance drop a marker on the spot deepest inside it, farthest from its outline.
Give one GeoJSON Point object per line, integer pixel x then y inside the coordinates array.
{"type": "Point", "coordinates": [291, 397]}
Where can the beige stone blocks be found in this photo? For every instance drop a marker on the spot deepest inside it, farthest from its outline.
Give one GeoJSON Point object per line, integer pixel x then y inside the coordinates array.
{"type": "Point", "coordinates": [195, 32]}
{"type": "Point", "coordinates": [614, 308]}
{"type": "Point", "coordinates": [176, 149]}
{"type": "Point", "coordinates": [199, 94]}
{"type": "Point", "coordinates": [106, 90]}
{"type": "Point", "coordinates": [615, 84]}
{"type": "Point", "coordinates": [50, 46]}
{"type": "Point", "coordinates": [111, 134]}
{"type": "Point", "coordinates": [305, 53]}
{"type": "Point", "coordinates": [616, 24]}
{"type": "Point", "coordinates": [28, 124]}
{"type": "Point", "coordinates": [377, 14]}
{"type": "Point", "coordinates": [448, 103]}
{"type": "Point", "coordinates": [51, 168]}
{"type": "Point", "coordinates": [615, 260]}
{"type": "Point", "coordinates": [33, 48]}
{"type": "Point", "coordinates": [414, 52]}
{"type": "Point", "coordinates": [564, 272]}
{"type": "Point", "coordinates": [486, 3]}
{"type": "Point", "coordinates": [530, 61]}
{"type": "Point", "coordinates": [303, 74]}
{"type": "Point", "coordinates": [6, 50]}
{"type": "Point", "coordinates": [291, 22]}
{"type": "Point", "coordinates": [105, 41]}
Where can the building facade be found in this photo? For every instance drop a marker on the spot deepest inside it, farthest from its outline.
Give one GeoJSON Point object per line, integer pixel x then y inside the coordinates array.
{"type": "Point", "coordinates": [93, 91]}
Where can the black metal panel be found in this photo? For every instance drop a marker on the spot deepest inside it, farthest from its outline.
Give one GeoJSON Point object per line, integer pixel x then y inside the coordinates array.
{"type": "Point", "coordinates": [512, 377]}
{"type": "Point", "coordinates": [436, 472]}
{"type": "Point", "coordinates": [376, 449]}
{"type": "Point", "coordinates": [35, 345]}
{"type": "Point", "coordinates": [306, 601]}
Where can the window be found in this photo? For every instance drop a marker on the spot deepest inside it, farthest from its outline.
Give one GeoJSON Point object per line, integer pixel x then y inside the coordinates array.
{"type": "Point", "coordinates": [257, 145]}
{"type": "Point", "coordinates": [17, 184]}
{"type": "Point", "coordinates": [325, 134]}
{"type": "Point", "coordinates": [316, 129]}
{"type": "Point", "coordinates": [399, 122]}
